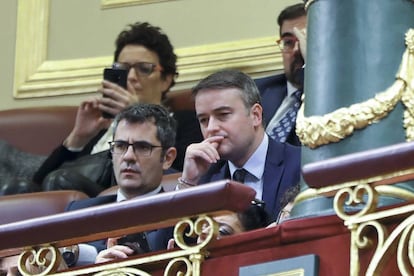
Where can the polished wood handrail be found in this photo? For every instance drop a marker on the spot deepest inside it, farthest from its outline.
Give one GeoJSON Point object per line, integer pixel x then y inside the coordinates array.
{"type": "Point", "coordinates": [126, 217]}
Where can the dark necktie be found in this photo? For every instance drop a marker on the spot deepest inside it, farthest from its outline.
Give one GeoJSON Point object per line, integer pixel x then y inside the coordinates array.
{"type": "Point", "coordinates": [239, 175]}
{"type": "Point", "coordinates": [285, 125]}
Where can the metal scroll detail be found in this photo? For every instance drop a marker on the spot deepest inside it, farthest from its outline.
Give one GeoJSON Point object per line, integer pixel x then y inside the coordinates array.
{"type": "Point", "coordinates": [197, 253]}
{"type": "Point", "coordinates": [46, 259]}
{"type": "Point", "coordinates": [315, 131]}
{"type": "Point", "coordinates": [370, 232]}
{"type": "Point", "coordinates": [39, 261]}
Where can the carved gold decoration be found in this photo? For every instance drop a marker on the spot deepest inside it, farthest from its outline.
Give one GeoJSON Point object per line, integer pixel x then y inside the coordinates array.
{"type": "Point", "coordinates": [35, 76]}
{"type": "Point", "coordinates": [45, 260]}
{"type": "Point", "coordinates": [369, 232]}
{"type": "Point", "coordinates": [355, 196]}
{"type": "Point", "coordinates": [39, 261]}
{"type": "Point", "coordinates": [315, 131]}
{"type": "Point", "coordinates": [193, 229]}
{"type": "Point", "coordinates": [379, 182]}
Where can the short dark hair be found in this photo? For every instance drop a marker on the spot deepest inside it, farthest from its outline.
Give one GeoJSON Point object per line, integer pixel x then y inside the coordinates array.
{"type": "Point", "coordinates": [289, 195]}
{"type": "Point", "coordinates": [152, 38]}
{"type": "Point", "coordinates": [140, 113]}
{"type": "Point", "coordinates": [291, 12]}
{"type": "Point", "coordinates": [254, 217]}
{"type": "Point", "coordinates": [231, 79]}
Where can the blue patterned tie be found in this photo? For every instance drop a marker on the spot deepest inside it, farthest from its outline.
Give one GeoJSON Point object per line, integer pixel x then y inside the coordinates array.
{"type": "Point", "coordinates": [285, 125]}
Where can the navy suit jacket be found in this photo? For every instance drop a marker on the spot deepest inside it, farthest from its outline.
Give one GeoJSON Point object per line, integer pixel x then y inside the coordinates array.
{"type": "Point", "coordinates": [282, 170]}
{"type": "Point", "coordinates": [273, 91]}
{"type": "Point", "coordinates": [157, 239]}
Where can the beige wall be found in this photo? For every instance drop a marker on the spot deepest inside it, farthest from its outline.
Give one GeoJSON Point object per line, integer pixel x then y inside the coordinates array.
{"type": "Point", "coordinates": [57, 53]}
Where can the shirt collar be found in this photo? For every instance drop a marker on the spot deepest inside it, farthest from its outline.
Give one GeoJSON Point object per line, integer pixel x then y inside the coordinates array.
{"type": "Point", "coordinates": [256, 163]}
{"type": "Point", "coordinates": [290, 89]}
{"type": "Point", "coordinates": [121, 197]}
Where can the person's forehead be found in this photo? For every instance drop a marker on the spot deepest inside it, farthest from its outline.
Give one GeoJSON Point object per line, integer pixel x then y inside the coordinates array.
{"type": "Point", "coordinates": [288, 25]}
{"type": "Point", "coordinates": [229, 219]}
{"type": "Point", "coordinates": [137, 53]}
{"type": "Point", "coordinates": [217, 97]}
{"type": "Point", "coordinates": [146, 131]}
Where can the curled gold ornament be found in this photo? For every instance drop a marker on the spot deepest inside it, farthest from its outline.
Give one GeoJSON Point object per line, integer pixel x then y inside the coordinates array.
{"type": "Point", "coordinates": [193, 229]}
{"type": "Point", "coordinates": [41, 261]}
{"type": "Point", "coordinates": [179, 266]}
{"type": "Point", "coordinates": [405, 252]}
{"type": "Point", "coordinates": [315, 131]}
{"type": "Point", "coordinates": [352, 197]}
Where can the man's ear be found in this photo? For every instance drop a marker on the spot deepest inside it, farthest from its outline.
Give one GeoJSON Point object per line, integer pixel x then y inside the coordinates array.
{"type": "Point", "coordinates": [257, 114]}
{"type": "Point", "coordinates": [169, 157]}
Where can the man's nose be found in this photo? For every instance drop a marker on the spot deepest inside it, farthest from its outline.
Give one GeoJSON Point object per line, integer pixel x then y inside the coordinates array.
{"type": "Point", "coordinates": [130, 153]}
{"type": "Point", "coordinates": [213, 125]}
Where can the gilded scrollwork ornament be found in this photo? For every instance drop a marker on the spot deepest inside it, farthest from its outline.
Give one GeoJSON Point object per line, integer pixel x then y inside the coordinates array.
{"type": "Point", "coordinates": [39, 261]}
{"type": "Point", "coordinates": [315, 131]}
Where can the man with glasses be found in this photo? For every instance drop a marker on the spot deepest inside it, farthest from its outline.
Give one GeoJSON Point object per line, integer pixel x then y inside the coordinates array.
{"type": "Point", "coordinates": [282, 94]}
{"type": "Point", "coordinates": [142, 148]}
{"type": "Point", "coordinates": [148, 56]}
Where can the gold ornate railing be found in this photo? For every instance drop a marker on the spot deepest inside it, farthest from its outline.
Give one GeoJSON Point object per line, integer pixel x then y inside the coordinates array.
{"type": "Point", "coordinates": [358, 183]}
{"type": "Point", "coordinates": [40, 238]}
{"type": "Point", "coordinates": [368, 230]}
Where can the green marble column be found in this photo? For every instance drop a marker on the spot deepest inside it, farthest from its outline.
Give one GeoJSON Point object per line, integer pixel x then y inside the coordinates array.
{"type": "Point", "coordinates": [354, 50]}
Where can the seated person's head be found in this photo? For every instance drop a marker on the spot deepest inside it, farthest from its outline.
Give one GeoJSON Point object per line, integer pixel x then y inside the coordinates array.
{"type": "Point", "coordinates": [228, 102]}
{"type": "Point", "coordinates": [254, 217]}
{"type": "Point", "coordinates": [142, 148]}
{"type": "Point", "coordinates": [148, 52]}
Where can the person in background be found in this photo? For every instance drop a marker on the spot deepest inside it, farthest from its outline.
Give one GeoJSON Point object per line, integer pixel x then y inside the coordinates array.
{"type": "Point", "coordinates": [142, 148]}
{"type": "Point", "coordinates": [254, 217]}
{"type": "Point", "coordinates": [282, 94]}
{"type": "Point", "coordinates": [148, 56]}
{"type": "Point", "coordinates": [286, 204]}
{"type": "Point", "coordinates": [228, 108]}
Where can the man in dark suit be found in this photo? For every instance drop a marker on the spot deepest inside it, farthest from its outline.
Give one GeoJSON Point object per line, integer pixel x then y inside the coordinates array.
{"type": "Point", "coordinates": [235, 145]}
{"type": "Point", "coordinates": [278, 92]}
{"type": "Point", "coordinates": [142, 148]}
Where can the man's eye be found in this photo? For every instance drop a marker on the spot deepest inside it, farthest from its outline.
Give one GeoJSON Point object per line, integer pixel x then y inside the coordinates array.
{"type": "Point", "coordinates": [142, 146]}
{"type": "Point", "coordinates": [289, 42]}
{"type": "Point", "coordinates": [224, 231]}
{"type": "Point", "coordinates": [202, 120]}
{"type": "Point", "coordinates": [121, 145]}
{"type": "Point", "coordinates": [224, 115]}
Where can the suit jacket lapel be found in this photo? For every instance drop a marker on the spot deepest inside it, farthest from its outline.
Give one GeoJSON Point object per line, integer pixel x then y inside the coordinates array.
{"type": "Point", "coordinates": [272, 176]}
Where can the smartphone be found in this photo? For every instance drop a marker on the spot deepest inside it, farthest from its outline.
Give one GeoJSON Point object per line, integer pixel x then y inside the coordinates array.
{"type": "Point", "coordinates": [137, 242]}
{"type": "Point", "coordinates": [118, 76]}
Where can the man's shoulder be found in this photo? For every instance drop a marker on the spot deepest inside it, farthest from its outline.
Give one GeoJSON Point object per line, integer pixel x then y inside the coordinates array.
{"type": "Point", "coordinates": [271, 81]}
{"type": "Point", "coordinates": [290, 151]}
{"type": "Point", "coordinates": [89, 202]}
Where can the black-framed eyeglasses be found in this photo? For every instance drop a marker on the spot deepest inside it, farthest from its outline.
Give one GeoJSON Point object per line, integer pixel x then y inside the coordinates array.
{"type": "Point", "coordinates": [287, 43]}
{"type": "Point", "coordinates": [141, 68]}
{"type": "Point", "coordinates": [140, 148]}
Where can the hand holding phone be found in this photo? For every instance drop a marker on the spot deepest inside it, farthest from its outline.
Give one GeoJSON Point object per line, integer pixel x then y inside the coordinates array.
{"type": "Point", "coordinates": [117, 76]}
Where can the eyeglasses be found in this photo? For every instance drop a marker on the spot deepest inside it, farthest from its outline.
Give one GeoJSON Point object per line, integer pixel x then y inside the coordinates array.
{"type": "Point", "coordinates": [140, 148]}
{"type": "Point", "coordinates": [141, 68]}
{"type": "Point", "coordinates": [283, 215]}
{"type": "Point", "coordinates": [287, 43]}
